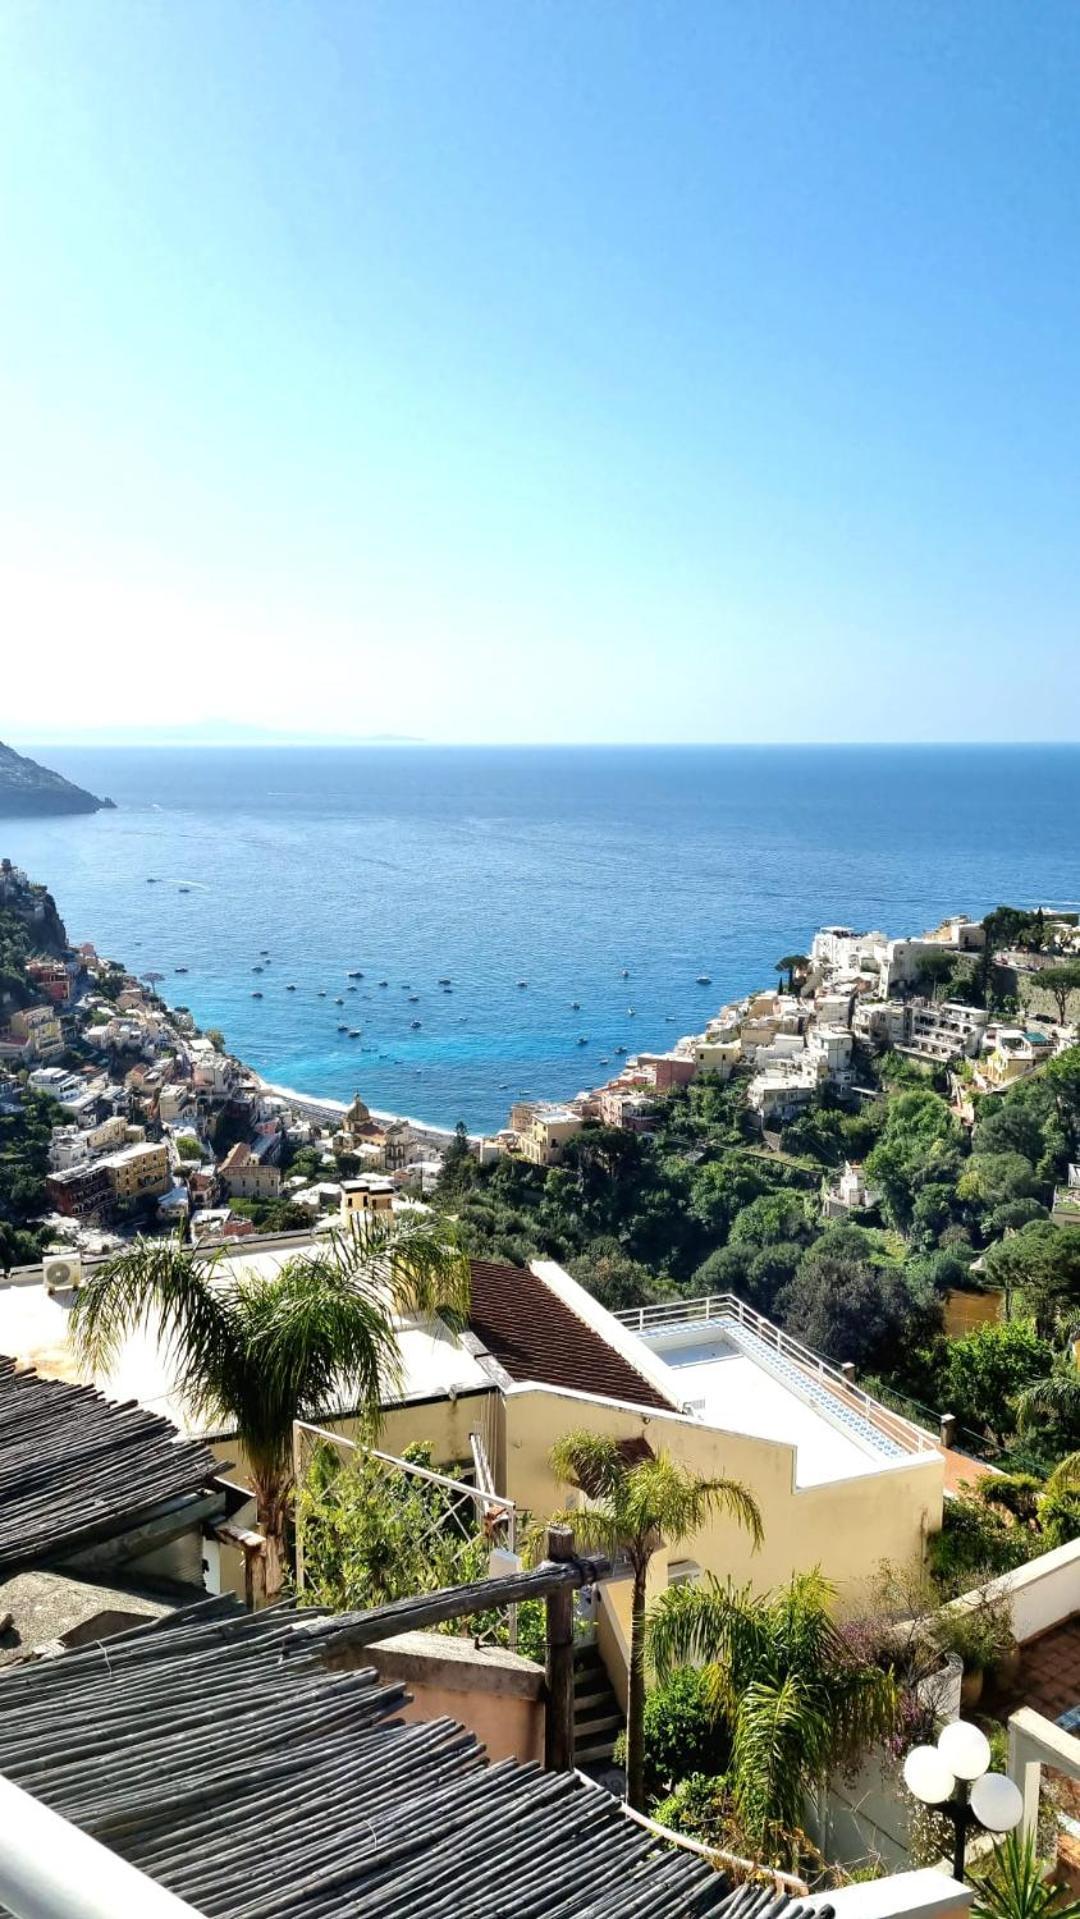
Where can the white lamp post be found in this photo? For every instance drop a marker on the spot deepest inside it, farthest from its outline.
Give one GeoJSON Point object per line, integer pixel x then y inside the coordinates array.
{"type": "Point", "coordinates": [954, 1776]}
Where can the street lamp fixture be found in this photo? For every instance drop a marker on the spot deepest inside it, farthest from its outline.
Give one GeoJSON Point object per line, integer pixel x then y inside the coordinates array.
{"type": "Point", "coordinates": [954, 1776]}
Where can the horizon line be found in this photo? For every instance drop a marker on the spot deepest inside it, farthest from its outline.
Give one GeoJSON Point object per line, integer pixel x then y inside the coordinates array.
{"type": "Point", "coordinates": [330, 742]}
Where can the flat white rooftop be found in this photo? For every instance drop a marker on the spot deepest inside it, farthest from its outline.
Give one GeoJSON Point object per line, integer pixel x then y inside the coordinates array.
{"type": "Point", "coordinates": [733, 1378]}
{"type": "Point", "coordinates": [34, 1332]}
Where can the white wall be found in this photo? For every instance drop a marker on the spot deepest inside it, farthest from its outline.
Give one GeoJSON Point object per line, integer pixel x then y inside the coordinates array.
{"type": "Point", "coordinates": [1042, 1593]}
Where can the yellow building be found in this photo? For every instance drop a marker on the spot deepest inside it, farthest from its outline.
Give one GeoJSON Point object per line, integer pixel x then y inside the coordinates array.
{"type": "Point", "coordinates": [1013, 1055]}
{"type": "Point", "coordinates": [366, 1196]}
{"type": "Point", "coordinates": [138, 1171]}
{"type": "Point", "coordinates": [841, 1482]}
{"type": "Point", "coordinates": [39, 1029]}
{"type": "Point", "coordinates": [543, 1140]}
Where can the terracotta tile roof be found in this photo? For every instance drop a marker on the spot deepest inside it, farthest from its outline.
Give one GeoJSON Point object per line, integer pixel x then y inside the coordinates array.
{"type": "Point", "coordinates": [535, 1336]}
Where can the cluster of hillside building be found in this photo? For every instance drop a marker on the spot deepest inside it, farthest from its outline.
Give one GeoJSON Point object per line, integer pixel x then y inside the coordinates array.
{"type": "Point", "coordinates": [160, 1125]}
{"type": "Point", "coordinates": [855, 992]}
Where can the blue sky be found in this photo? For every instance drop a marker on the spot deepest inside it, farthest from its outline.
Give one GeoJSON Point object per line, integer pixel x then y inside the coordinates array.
{"type": "Point", "coordinates": [531, 371]}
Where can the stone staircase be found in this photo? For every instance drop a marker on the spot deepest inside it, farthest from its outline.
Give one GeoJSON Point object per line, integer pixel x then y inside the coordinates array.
{"type": "Point", "coordinates": [598, 1720]}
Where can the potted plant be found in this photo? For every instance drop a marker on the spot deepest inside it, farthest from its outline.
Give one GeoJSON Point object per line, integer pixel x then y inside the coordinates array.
{"type": "Point", "coordinates": [981, 1635]}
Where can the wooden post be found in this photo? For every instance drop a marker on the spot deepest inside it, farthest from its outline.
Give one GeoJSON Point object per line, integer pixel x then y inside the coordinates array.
{"type": "Point", "coordinates": [559, 1721]}
{"type": "Point", "coordinates": [948, 1429]}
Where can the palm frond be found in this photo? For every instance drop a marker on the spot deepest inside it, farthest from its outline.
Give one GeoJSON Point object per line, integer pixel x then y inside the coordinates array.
{"type": "Point", "coordinates": [162, 1282]}
{"type": "Point", "coordinates": [773, 1727]}
{"type": "Point", "coordinates": [711, 1623]}
{"type": "Point", "coordinates": [665, 1496]}
{"type": "Point", "coordinates": [592, 1462]}
{"type": "Point", "coordinates": [412, 1264]}
{"type": "Point", "coordinates": [594, 1532]}
{"type": "Point", "coordinates": [1065, 1477]}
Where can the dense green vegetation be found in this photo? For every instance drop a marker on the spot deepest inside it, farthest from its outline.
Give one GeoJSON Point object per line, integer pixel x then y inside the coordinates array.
{"type": "Point", "coordinates": [702, 1206]}
{"type": "Point", "coordinates": [24, 1164]}
{"type": "Point", "coordinates": [15, 950]}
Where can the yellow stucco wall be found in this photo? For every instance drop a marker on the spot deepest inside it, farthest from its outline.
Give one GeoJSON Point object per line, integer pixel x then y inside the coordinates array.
{"type": "Point", "coordinates": [847, 1527]}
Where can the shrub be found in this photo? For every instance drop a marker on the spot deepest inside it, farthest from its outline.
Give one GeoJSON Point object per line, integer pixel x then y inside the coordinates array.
{"type": "Point", "coordinates": [682, 1734]}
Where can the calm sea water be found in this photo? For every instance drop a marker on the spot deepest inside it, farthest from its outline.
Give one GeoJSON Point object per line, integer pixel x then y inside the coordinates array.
{"type": "Point", "coordinates": [557, 866]}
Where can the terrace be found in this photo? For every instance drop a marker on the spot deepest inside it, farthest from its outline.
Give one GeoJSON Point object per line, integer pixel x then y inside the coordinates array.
{"type": "Point", "coordinates": [734, 1369]}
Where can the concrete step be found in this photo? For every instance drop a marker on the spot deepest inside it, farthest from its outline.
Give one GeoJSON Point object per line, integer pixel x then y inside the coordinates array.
{"type": "Point", "coordinates": [587, 1702]}
{"type": "Point", "coordinates": [598, 1727]}
{"type": "Point", "coordinates": [600, 1754]}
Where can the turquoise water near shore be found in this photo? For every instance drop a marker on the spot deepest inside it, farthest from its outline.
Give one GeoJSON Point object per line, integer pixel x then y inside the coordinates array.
{"type": "Point", "coordinates": [562, 867]}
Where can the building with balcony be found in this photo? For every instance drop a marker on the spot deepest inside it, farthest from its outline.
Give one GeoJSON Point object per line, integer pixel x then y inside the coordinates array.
{"type": "Point", "coordinates": [543, 1140]}
{"type": "Point", "coordinates": [139, 1171]}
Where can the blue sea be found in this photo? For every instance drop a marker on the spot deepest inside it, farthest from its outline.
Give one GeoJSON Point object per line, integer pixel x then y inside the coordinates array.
{"type": "Point", "coordinates": [566, 868]}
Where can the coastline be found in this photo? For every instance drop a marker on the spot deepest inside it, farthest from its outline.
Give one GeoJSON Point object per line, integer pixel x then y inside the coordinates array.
{"type": "Point", "coordinates": [330, 1109]}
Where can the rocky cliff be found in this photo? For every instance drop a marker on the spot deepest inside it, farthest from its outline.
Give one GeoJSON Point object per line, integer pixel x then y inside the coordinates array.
{"type": "Point", "coordinates": [27, 788]}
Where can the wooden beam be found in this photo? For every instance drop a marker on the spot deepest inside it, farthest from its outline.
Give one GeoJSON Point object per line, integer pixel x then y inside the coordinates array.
{"type": "Point", "coordinates": [451, 1602]}
{"type": "Point", "coordinates": [559, 1723]}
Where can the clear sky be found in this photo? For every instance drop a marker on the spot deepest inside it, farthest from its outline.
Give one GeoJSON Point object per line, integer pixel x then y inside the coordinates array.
{"type": "Point", "coordinates": [541, 369]}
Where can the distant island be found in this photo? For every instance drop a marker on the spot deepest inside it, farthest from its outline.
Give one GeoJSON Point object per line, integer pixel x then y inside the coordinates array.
{"type": "Point", "coordinates": [27, 788]}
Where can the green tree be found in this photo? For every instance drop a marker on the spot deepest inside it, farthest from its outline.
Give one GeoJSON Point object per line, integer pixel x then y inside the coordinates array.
{"type": "Point", "coordinates": [983, 1373]}
{"type": "Point", "coordinates": [770, 1218]}
{"type": "Point", "coordinates": [848, 1304]}
{"type": "Point", "coordinates": [791, 964]}
{"type": "Point", "coordinates": [682, 1734]}
{"type": "Point", "coordinates": [1063, 1079]}
{"type": "Point", "coordinates": [1050, 1404]}
{"type": "Point", "coordinates": [1041, 1262]}
{"type": "Point", "coordinates": [934, 974]}
{"type": "Point", "coordinates": [615, 1279]}
{"type": "Point", "coordinates": [1060, 982]}
{"type": "Point", "coordinates": [799, 1699]}
{"type": "Point", "coordinates": [919, 1146]}
{"type": "Point", "coordinates": [458, 1170]}
{"type": "Point", "coordinates": [635, 1506]}
{"type": "Point", "coordinates": [261, 1353]}
{"type": "Point", "coordinates": [722, 1188]}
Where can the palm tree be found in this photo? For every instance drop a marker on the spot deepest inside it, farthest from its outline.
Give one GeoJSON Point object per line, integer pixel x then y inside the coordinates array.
{"type": "Point", "coordinates": [258, 1353]}
{"type": "Point", "coordinates": [638, 1503]}
{"type": "Point", "coordinates": [1055, 1399]}
{"type": "Point", "coordinates": [798, 1699]}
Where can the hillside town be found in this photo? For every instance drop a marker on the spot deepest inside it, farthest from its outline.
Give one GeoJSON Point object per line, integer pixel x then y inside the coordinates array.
{"type": "Point", "coordinates": [701, 1368]}
{"type": "Point", "coordinates": [156, 1126]}
{"type": "Point", "coordinates": [854, 995]}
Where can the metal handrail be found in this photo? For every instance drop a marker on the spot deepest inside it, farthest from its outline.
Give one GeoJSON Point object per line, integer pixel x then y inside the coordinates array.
{"type": "Point", "coordinates": [720, 1306]}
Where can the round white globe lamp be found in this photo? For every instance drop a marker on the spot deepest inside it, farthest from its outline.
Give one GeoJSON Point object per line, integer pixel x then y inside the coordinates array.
{"type": "Point", "coordinates": [927, 1776]}
{"type": "Point", "coordinates": [965, 1750]}
{"type": "Point", "coordinates": [997, 1802]}
{"type": "Point", "coordinates": [954, 1775]}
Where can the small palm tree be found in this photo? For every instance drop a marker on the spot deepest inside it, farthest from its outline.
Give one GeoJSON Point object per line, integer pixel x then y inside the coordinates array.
{"type": "Point", "coordinates": [1013, 1885]}
{"type": "Point", "coordinates": [636, 1505]}
{"type": "Point", "coordinates": [798, 1699]}
{"type": "Point", "coordinates": [258, 1353]}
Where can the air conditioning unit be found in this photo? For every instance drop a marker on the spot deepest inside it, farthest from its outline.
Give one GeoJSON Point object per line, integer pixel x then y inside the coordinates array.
{"type": "Point", "coordinates": [62, 1272]}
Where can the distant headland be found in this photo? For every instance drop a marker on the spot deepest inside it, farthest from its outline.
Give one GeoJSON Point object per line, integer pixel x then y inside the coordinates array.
{"type": "Point", "coordinates": [27, 788]}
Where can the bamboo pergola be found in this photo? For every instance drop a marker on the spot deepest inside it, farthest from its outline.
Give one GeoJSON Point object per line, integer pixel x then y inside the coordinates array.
{"type": "Point", "coordinates": [259, 1787]}
{"type": "Point", "coordinates": [76, 1468]}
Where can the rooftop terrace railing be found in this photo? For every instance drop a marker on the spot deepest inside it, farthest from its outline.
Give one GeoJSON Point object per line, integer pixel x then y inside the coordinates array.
{"type": "Point", "coordinates": [715, 1308]}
